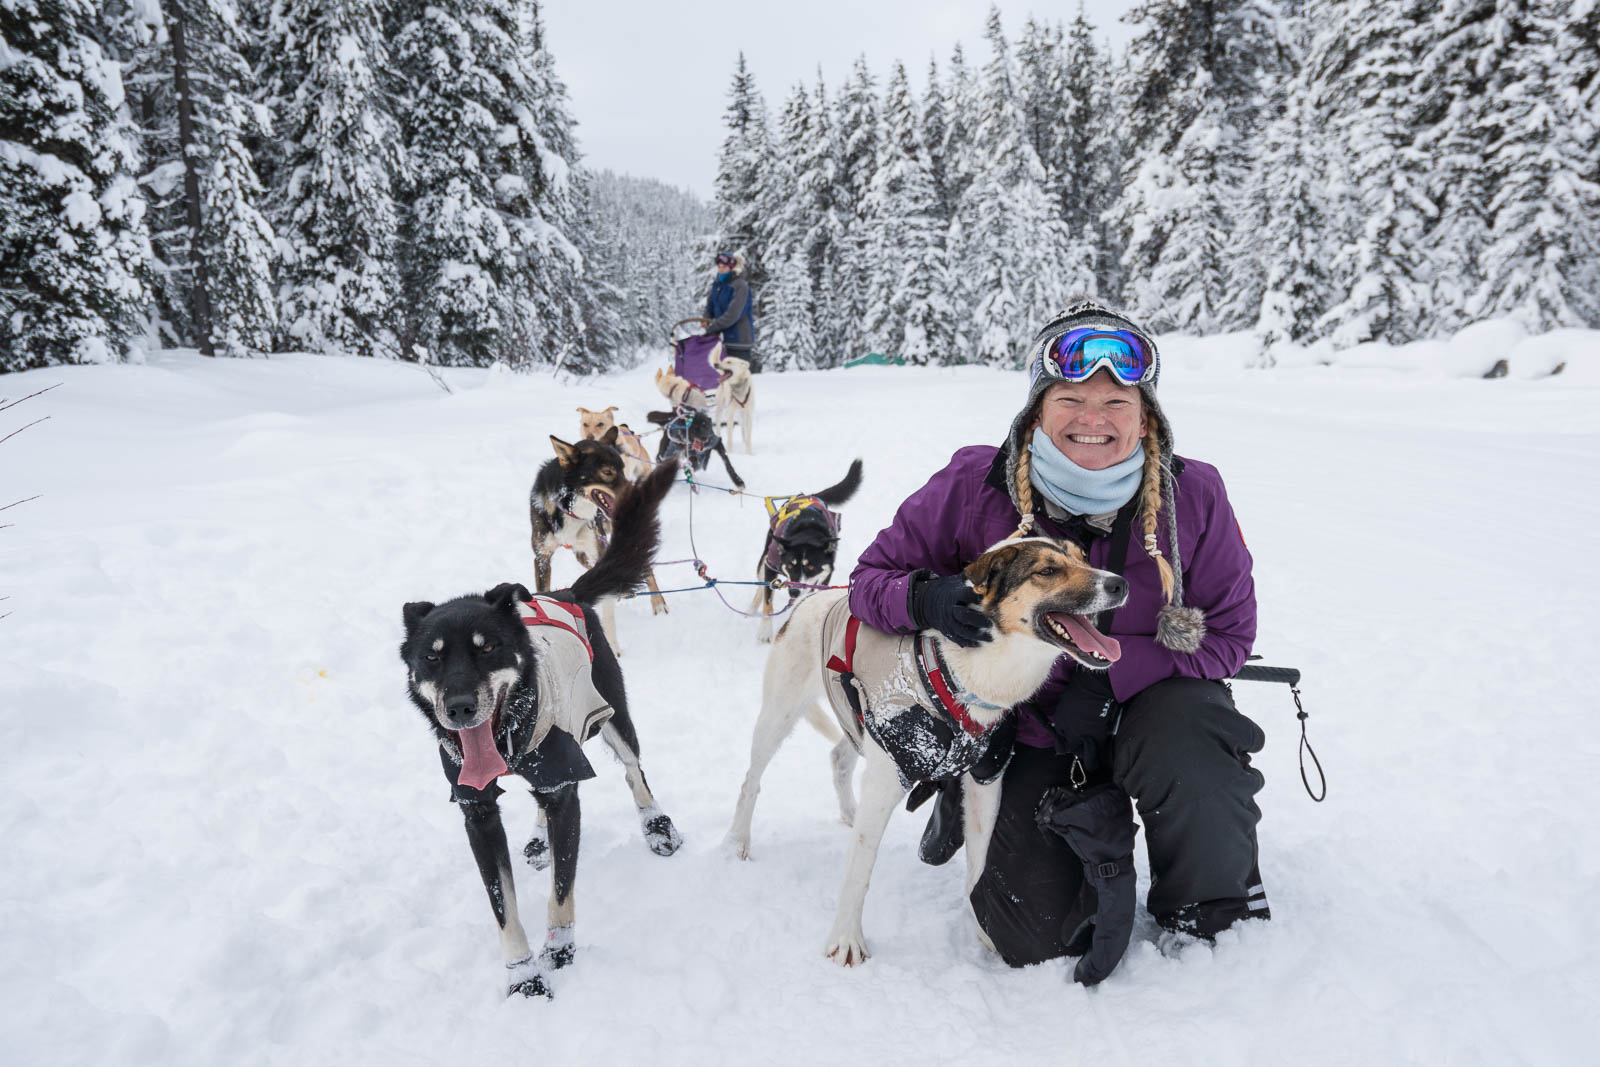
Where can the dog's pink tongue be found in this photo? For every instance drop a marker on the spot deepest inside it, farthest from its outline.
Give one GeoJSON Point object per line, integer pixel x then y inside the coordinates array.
{"type": "Point", "coordinates": [1086, 637]}
{"type": "Point", "coordinates": [481, 762]}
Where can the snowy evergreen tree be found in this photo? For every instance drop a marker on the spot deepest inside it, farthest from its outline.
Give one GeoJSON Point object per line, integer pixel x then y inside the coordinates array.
{"type": "Point", "coordinates": [1289, 224]}
{"type": "Point", "coordinates": [339, 158]}
{"type": "Point", "coordinates": [934, 124]}
{"type": "Point", "coordinates": [73, 246]}
{"type": "Point", "coordinates": [809, 231]}
{"type": "Point", "coordinates": [1459, 47]}
{"type": "Point", "coordinates": [648, 244]}
{"type": "Point", "coordinates": [1540, 263]}
{"type": "Point", "coordinates": [961, 103]}
{"type": "Point", "coordinates": [226, 250]}
{"type": "Point", "coordinates": [1012, 236]}
{"type": "Point", "coordinates": [1089, 154]}
{"type": "Point", "coordinates": [1360, 70]}
{"type": "Point", "coordinates": [489, 271]}
{"type": "Point", "coordinates": [742, 184]}
{"type": "Point", "coordinates": [551, 208]}
{"type": "Point", "coordinates": [601, 299]}
{"type": "Point", "coordinates": [858, 139]}
{"type": "Point", "coordinates": [1194, 100]}
{"type": "Point", "coordinates": [908, 311]}
{"type": "Point", "coordinates": [1041, 97]}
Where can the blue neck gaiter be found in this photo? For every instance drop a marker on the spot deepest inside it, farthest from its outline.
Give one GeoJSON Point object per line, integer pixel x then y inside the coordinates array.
{"type": "Point", "coordinates": [724, 275]}
{"type": "Point", "coordinates": [1079, 491]}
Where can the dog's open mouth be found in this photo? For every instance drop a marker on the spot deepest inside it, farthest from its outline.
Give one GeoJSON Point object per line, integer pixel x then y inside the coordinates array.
{"type": "Point", "coordinates": [603, 500]}
{"type": "Point", "coordinates": [1077, 635]}
{"type": "Point", "coordinates": [481, 761]}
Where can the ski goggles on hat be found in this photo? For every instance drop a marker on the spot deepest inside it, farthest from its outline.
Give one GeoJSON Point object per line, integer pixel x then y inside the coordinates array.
{"type": "Point", "coordinates": [724, 259]}
{"type": "Point", "coordinates": [1078, 354]}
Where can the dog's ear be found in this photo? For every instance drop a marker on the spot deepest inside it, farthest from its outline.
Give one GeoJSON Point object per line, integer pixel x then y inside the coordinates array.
{"type": "Point", "coordinates": [658, 418]}
{"type": "Point", "coordinates": [609, 410]}
{"type": "Point", "coordinates": [504, 594]}
{"type": "Point", "coordinates": [987, 569]}
{"type": "Point", "coordinates": [564, 452]}
{"type": "Point", "coordinates": [609, 437]}
{"type": "Point", "coordinates": [414, 613]}
{"type": "Point", "coordinates": [586, 411]}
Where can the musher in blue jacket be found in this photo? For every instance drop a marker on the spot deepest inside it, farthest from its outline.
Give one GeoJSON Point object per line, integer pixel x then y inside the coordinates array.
{"type": "Point", "coordinates": [729, 309]}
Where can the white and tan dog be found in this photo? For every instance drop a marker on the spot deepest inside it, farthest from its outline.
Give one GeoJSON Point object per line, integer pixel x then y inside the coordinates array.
{"type": "Point", "coordinates": [681, 391]}
{"type": "Point", "coordinates": [920, 707]}
{"type": "Point", "coordinates": [593, 425]}
{"type": "Point", "coordinates": [736, 398]}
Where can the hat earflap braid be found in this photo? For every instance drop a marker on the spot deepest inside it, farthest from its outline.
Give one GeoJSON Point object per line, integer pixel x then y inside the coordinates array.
{"type": "Point", "coordinates": [1178, 627]}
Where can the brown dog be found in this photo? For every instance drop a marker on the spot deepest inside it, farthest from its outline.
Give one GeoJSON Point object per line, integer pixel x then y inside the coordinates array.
{"type": "Point", "coordinates": [570, 506]}
{"type": "Point", "coordinates": [593, 425]}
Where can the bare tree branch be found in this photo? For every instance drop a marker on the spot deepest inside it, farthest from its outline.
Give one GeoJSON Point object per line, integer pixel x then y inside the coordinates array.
{"type": "Point", "coordinates": [19, 429]}
{"type": "Point", "coordinates": [14, 503]}
{"type": "Point", "coordinates": [7, 402]}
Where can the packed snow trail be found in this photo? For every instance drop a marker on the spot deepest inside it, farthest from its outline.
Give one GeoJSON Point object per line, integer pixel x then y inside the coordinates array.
{"type": "Point", "coordinates": [227, 838]}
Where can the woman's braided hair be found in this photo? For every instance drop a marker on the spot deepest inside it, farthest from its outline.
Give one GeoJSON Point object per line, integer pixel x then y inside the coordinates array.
{"type": "Point", "coordinates": [1024, 486]}
{"type": "Point", "coordinates": [1150, 508]}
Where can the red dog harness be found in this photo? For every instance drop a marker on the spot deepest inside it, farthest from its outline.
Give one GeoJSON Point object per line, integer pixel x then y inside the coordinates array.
{"type": "Point", "coordinates": [929, 663]}
{"type": "Point", "coordinates": [535, 613]}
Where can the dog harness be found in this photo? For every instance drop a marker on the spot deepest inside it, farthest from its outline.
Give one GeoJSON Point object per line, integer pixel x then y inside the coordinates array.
{"type": "Point", "coordinates": [564, 656]}
{"type": "Point", "coordinates": [897, 689]}
{"type": "Point", "coordinates": [797, 509]}
{"type": "Point", "coordinates": [548, 611]}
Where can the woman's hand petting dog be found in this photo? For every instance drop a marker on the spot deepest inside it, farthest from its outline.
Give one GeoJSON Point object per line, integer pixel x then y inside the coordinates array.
{"type": "Point", "coordinates": [948, 605]}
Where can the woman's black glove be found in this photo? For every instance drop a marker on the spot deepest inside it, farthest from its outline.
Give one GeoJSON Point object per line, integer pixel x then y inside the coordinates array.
{"type": "Point", "coordinates": [1085, 710]}
{"type": "Point", "coordinates": [1097, 824]}
{"type": "Point", "coordinates": [946, 604]}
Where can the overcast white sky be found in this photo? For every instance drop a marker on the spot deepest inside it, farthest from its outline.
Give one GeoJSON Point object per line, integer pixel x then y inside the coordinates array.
{"type": "Point", "coordinates": [649, 78]}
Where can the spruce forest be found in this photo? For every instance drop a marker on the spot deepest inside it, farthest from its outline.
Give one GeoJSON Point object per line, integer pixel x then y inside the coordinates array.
{"type": "Point", "coordinates": [402, 180]}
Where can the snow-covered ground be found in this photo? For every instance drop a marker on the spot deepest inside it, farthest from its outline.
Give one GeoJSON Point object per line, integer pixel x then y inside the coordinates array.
{"type": "Point", "coordinates": [226, 838]}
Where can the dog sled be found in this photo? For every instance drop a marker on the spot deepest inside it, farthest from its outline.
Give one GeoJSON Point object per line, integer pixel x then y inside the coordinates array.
{"type": "Point", "coordinates": [693, 356]}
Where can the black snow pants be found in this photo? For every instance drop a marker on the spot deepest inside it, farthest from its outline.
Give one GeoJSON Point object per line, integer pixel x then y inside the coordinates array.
{"type": "Point", "coordinates": [1182, 752]}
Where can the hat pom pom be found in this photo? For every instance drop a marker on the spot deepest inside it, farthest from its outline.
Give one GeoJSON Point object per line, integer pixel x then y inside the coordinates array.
{"type": "Point", "coordinates": [1180, 628]}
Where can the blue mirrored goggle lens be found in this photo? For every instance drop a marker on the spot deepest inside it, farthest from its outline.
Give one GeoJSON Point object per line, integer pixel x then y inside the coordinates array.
{"type": "Point", "coordinates": [1081, 353]}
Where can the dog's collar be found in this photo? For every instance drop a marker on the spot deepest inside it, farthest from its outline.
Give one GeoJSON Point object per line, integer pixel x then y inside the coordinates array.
{"type": "Point", "coordinates": [936, 678]}
{"type": "Point", "coordinates": [741, 401]}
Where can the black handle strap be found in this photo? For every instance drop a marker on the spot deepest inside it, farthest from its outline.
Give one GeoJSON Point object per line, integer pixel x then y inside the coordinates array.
{"type": "Point", "coordinates": [1305, 746]}
{"type": "Point", "coordinates": [1290, 676]}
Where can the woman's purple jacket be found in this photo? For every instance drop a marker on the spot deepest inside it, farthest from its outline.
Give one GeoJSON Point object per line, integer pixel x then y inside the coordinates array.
{"type": "Point", "coordinates": [964, 510]}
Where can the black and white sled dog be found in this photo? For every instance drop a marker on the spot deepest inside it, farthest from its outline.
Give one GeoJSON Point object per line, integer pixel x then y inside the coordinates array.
{"type": "Point", "coordinates": [921, 708]}
{"type": "Point", "coordinates": [802, 541]}
{"type": "Point", "coordinates": [513, 683]}
{"type": "Point", "coordinates": [690, 436]}
{"type": "Point", "coordinates": [570, 506]}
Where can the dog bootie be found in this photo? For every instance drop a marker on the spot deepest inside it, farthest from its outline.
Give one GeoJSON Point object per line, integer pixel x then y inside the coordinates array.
{"type": "Point", "coordinates": [1097, 824]}
{"type": "Point", "coordinates": [945, 833]}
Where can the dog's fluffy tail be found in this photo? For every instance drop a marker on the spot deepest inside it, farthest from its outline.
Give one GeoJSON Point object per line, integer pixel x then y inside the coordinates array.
{"type": "Point", "coordinates": [835, 495]}
{"type": "Point", "coordinates": [635, 536]}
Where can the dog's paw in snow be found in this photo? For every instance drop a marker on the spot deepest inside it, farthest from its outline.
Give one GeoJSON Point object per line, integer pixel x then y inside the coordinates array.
{"type": "Point", "coordinates": [559, 948]}
{"type": "Point", "coordinates": [659, 834]}
{"type": "Point", "coordinates": [847, 949]}
{"type": "Point", "coordinates": [736, 846]}
{"type": "Point", "coordinates": [527, 977]}
{"type": "Point", "coordinates": [764, 632]}
{"type": "Point", "coordinates": [537, 850]}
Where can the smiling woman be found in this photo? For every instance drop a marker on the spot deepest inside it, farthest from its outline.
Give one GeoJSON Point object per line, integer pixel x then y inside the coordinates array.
{"type": "Point", "coordinates": [1089, 460]}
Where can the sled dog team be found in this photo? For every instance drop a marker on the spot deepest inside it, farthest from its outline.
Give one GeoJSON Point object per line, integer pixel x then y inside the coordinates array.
{"type": "Point", "coordinates": [931, 672]}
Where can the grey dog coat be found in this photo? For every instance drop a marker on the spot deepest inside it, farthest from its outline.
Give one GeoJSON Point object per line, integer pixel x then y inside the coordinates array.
{"type": "Point", "coordinates": [897, 689]}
